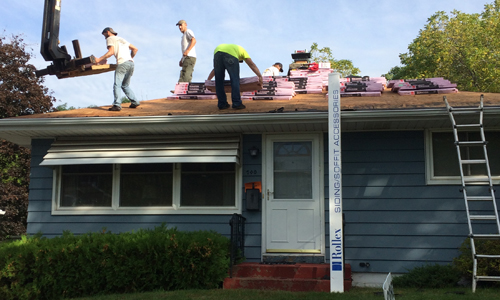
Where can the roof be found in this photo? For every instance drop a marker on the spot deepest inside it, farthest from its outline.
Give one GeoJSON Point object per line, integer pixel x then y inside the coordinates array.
{"type": "Point", "coordinates": [303, 113]}
{"type": "Point", "coordinates": [299, 103]}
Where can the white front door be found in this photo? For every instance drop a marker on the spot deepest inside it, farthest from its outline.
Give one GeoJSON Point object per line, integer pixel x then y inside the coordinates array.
{"type": "Point", "coordinates": [292, 194]}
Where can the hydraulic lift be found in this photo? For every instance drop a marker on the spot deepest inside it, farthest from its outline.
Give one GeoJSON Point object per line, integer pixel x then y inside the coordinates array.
{"type": "Point", "coordinates": [63, 66]}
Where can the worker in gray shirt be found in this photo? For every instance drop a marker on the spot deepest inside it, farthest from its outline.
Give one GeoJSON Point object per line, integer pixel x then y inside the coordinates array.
{"type": "Point", "coordinates": [188, 59]}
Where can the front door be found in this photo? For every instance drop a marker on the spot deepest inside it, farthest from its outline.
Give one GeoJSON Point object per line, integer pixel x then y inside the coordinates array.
{"type": "Point", "coordinates": [292, 194]}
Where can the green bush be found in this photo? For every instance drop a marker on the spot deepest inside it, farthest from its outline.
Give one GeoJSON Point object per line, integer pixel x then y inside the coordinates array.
{"type": "Point", "coordinates": [485, 266]}
{"type": "Point", "coordinates": [105, 263]}
{"type": "Point", "coordinates": [428, 276]}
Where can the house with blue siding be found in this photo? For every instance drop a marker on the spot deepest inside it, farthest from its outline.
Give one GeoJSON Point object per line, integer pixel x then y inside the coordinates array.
{"type": "Point", "coordinates": [187, 164]}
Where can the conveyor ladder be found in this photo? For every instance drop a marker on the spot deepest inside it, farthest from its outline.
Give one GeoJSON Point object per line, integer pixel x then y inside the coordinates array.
{"type": "Point", "coordinates": [475, 188]}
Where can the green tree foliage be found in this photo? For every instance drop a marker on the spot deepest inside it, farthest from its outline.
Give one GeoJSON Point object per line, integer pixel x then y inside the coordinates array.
{"type": "Point", "coordinates": [461, 47]}
{"type": "Point", "coordinates": [21, 93]}
{"type": "Point", "coordinates": [63, 107]}
{"type": "Point", "coordinates": [343, 66]}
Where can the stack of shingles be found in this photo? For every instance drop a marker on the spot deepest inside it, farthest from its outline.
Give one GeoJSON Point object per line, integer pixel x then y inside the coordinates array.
{"type": "Point", "coordinates": [308, 81]}
{"type": "Point", "coordinates": [436, 85]}
{"type": "Point", "coordinates": [274, 88]}
{"type": "Point", "coordinates": [362, 87]}
{"type": "Point", "coordinates": [191, 90]}
{"type": "Point", "coordinates": [246, 84]}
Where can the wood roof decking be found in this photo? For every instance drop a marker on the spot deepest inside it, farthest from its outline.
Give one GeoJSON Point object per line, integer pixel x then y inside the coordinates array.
{"type": "Point", "coordinates": [299, 103]}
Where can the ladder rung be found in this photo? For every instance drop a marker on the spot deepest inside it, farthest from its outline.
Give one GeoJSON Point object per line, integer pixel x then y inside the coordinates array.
{"type": "Point", "coordinates": [487, 256]}
{"type": "Point", "coordinates": [483, 217]}
{"type": "Point", "coordinates": [486, 236]}
{"type": "Point", "coordinates": [467, 125]}
{"type": "Point", "coordinates": [473, 161]}
{"type": "Point", "coordinates": [479, 198]}
{"type": "Point", "coordinates": [471, 143]}
{"type": "Point", "coordinates": [465, 109]}
{"type": "Point", "coordinates": [488, 278]}
{"type": "Point", "coordinates": [476, 179]}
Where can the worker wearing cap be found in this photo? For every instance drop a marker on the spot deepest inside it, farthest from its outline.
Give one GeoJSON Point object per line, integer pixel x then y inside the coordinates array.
{"type": "Point", "coordinates": [274, 70]}
{"type": "Point", "coordinates": [124, 53]}
{"type": "Point", "coordinates": [227, 57]}
{"type": "Point", "coordinates": [188, 59]}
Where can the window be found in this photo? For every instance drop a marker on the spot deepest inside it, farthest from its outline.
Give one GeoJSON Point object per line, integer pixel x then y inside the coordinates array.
{"type": "Point", "coordinates": [86, 185]}
{"type": "Point", "coordinates": [442, 160]}
{"type": "Point", "coordinates": [196, 188]}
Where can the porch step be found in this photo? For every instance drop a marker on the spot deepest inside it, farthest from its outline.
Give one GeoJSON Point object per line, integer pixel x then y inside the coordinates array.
{"type": "Point", "coordinates": [287, 277]}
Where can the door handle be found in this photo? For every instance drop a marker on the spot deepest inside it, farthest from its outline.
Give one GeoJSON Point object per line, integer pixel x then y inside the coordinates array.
{"type": "Point", "coordinates": [269, 193]}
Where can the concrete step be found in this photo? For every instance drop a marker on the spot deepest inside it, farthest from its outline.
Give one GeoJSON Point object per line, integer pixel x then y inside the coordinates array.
{"type": "Point", "coordinates": [288, 277]}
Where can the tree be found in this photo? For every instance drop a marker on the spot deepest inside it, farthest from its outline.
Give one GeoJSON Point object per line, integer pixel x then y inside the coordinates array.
{"type": "Point", "coordinates": [21, 93]}
{"type": "Point", "coordinates": [63, 107]}
{"type": "Point", "coordinates": [343, 66]}
{"type": "Point", "coordinates": [460, 47]}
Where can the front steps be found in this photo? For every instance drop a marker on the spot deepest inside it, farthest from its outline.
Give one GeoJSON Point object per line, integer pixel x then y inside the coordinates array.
{"type": "Point", "coordinates": [287, 277]}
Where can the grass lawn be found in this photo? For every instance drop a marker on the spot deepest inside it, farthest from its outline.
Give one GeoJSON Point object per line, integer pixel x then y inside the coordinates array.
{"type": "Point", "coordinates": [354, 293]}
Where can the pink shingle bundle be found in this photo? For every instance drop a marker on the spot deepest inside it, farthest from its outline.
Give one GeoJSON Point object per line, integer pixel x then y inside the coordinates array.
{"type": "Point", "coordinates": [437, 85]}
{"type": "Point", "coordinates": [274, 88]}
{"type": "Point", "coordinates": [316, 80]}
{"type": "Point", "coordinates": [355, 86]}
{"type": "Point", "coordinates": [191, 90]}
{"type": "Point", "coordinates": [246, 84]}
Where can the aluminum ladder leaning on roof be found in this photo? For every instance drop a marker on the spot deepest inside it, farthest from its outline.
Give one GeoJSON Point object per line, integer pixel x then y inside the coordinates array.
{"type": "Point", "coordinates": [477, 189]}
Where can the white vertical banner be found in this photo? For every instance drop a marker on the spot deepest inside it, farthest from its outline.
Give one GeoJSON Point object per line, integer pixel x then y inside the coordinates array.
{"type": "Point", "coordinates": [335, 185]}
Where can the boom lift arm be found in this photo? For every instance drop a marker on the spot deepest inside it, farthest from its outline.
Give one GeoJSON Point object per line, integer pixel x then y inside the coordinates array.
{"type": "Point", "coordinates": [63, 66]}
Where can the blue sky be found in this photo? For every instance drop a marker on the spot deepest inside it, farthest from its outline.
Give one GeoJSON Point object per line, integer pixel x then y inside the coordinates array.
{"type": "Point", "coordinates": [369, 33]}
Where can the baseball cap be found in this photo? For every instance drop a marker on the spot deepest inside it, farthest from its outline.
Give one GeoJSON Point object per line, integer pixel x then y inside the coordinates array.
{"type": "Point", "coordinates": [110, 30]}
{"type": "Point", "coordinates": [281, 66]}
{"type": "Point", "coordinates": [180, 22]}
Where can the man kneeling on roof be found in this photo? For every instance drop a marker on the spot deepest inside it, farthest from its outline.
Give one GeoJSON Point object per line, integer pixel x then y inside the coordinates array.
{"type": "Point", "coordinates": [274, 70]}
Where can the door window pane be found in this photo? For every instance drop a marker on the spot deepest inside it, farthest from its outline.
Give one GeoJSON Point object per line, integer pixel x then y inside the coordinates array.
{"type": "Point", "coordinates": [86, 185]}
{"type": "Point", "coordinates": [146, 185]}
{"type": "Point", "coordinates": [292, 170]}
{"type": "Point", "coordinates": [208, 184]}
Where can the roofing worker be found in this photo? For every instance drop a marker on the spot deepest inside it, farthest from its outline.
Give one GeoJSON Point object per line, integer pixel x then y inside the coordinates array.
{"type": "Point", "coordinates": [188, 59]}
{"type": "Point", "coordinates": [124, 53]}
{"type": "Point", "coordinates": [274, 70]}
{"type": "Point", "coordinates": [227, 57]}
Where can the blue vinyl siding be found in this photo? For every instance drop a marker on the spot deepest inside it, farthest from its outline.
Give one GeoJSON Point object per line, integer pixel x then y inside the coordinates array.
{"type": "Point", "coordinates": [252, 172]}
{"type": "Point", "coordinates": [393, 220]}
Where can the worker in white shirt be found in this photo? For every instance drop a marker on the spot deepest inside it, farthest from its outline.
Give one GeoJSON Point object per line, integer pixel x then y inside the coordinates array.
{"type": "Point", "coordinates": [274, 70]}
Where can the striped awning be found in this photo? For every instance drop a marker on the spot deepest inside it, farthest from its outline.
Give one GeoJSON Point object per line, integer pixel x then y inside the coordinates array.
{"type": "Point", "coordinates": [139, 150]}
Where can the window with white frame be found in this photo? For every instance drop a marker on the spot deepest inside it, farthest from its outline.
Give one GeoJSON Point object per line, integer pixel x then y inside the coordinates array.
{"type": "Point", "coordinates": [199, 188]}
{"type": "Point", "coordinates": [442, 165]}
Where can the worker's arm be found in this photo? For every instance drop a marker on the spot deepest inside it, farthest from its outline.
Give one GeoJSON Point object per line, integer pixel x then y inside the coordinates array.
{"type": "Point", "coordinates": [133, 50]}
{"type": "Point", "coordinates": [191, 45]}
{"type": "Point", "coordinates": [211, 75]}
{"type": "Point", "coordinates": [111, 51]}
{"type": "Point", "coordinates": [254, 68]}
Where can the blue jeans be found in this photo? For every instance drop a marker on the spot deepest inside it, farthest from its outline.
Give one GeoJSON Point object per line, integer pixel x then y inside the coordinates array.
{"type": "Point", "coordinates": [123, 73]}
{"type": "Point", "coordinates": [223, 62]}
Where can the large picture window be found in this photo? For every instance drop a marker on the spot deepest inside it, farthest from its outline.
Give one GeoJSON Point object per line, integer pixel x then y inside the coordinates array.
{"type": "Point", "coordinates": [442, 160]}
{"type": "Point", "coordinates": [199, 188]}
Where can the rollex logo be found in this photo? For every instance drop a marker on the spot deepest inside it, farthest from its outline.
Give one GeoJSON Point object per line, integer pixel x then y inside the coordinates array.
{"type": "Point", "coordinates": [336, 250]}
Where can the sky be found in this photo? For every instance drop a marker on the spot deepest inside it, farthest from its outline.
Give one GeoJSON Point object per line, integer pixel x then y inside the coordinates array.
{"type": "Point", "coordinates": [369, 33]}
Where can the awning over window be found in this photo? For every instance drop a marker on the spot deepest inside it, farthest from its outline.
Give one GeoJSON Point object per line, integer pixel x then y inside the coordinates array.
{"type": "Point", "coordinates": [138, 150]}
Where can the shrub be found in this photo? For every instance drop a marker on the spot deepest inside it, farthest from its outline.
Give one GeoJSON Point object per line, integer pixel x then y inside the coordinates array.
{"type": "Point", "coordinates": [428, 276]}
{"type": "Point", "coordinates": [105, 263]}
{"type": "Point", "coordinates": [485, 266]}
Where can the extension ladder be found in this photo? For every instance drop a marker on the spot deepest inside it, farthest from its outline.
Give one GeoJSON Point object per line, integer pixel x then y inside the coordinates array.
{"type": "Point", "coordinates": [476, 189]}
